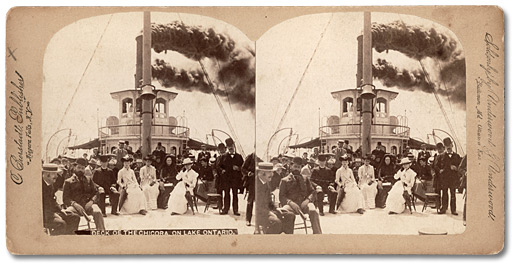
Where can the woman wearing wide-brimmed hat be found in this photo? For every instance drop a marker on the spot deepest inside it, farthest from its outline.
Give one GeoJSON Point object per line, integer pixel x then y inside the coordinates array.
{"type": "Point", "coordinates": [395, 202]}
{"type": "Point", "coordinates": [183, 192]}
{"type": "Point", "coordinates": [133, 200]}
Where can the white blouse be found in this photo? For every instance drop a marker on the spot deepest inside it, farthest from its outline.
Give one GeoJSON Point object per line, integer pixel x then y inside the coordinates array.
{"type": "Point", "coordinates": [407, 177]}
{"type": "Point", "coordinates": [126, 178]}
{"type": "Point", "coordinates": [189, 178]}
{"type": "Point", "coordinates": [345, 177]}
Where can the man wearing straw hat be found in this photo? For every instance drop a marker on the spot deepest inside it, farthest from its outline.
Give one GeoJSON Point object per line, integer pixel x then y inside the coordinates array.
{"type": "Point", "coordinates": [268, 218]}
{"type": "Point", "coordinates": [55, 219]}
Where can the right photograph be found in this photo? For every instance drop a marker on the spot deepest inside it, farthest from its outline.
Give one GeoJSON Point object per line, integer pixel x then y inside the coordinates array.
{"type": "Point", "coordinates": [360, 126]}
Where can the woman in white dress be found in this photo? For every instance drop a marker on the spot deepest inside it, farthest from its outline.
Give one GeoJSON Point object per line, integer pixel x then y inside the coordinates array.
{"type": "Point", "coordinates": [353, 200]}
{"type": "Point", "coordinates": [184, 189]}
{"type": "Point", "coordinates": [149, 183]}
{"type": "Point", "coordinates": [135, 201]}
{"type": "Point", "coordinates": [367, 183]}
{"type": "Point", "coordinates": [395, 202]}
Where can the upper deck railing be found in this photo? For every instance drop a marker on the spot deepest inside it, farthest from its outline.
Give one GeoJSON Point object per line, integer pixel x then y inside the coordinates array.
{"type": "Point", "coordinates": [355, 129]}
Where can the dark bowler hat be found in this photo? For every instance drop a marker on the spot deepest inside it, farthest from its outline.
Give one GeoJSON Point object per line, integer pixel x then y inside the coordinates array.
{"type": "Point", "coordinates": [230, 142]}
{"type": "Point", "coordinates": [322, 157]}
{"type": "Point", "coordinates": [81, 161]}
{"type": "Point", "coordinates": [51, 167]}
{"type": "Point", "coordinates": [221, 146]}
{"type": "Point", "coordinates": [439, 145]}
{"type": "Point", "coordinates": [367, 156]}
{"type": "Point", "coordinates": [148, 157]}
{"type": "Point", "coordinates": [423, 158]}
{"type": "Point", "coordinates": [297, 160]}
{"type": "Point", "coordinates": [104, 158]}
{"type": "Point", "coordinates": [447, 142]}
{"type": "Point", "coordinates": [127, 158]}
{"type": "Point", "coordinates": [265, 166]}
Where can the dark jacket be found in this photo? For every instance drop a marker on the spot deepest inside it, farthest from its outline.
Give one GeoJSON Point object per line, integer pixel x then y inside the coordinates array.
{"type": "Point", "coordinates": [105, 178]}
{"type": "Point", "coordinates": [296, 189]}
{"type": "Point", "coordinates": [230, 177]}
{"type": "Point", "coordinates": [79, 190]}
{"type": "Point", "coordinates": [50, 206]}
{"type": "Point", "coordinates": [444, 163]}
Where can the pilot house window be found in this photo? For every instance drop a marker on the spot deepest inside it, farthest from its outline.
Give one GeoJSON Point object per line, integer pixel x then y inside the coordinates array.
{"type": "Point", "coordinates": [160, 106]}
{"type": "Point", "coordinates": [127, 105]}
{"type": "Point", "coordinates": [348, 103]}
{"type": "Point", "coordinates": [381, 105]}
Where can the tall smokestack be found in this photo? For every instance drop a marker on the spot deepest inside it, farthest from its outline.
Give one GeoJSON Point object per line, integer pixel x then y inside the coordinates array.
{"type": "Point", "coordinates": [138, 61]}
{"type": "Point", "coordinates": [367, 93]}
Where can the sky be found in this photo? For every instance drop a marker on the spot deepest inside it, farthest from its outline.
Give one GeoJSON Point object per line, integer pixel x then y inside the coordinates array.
{"type": "Point", "coordinates": [112, 68]}
{"type": "Point", "coordinates": [282, 55]}
{"type": "Point", "coordinates": [284, 51]}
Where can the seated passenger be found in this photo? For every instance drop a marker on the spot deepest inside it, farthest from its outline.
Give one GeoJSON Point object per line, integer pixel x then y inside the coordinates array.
{"type": "Point", "coordinates": [395, 202]}
{"type": "Point", "coordinates": [133, 200]}
{"type": "Point", "coordinates": [350, 198]}
{"type": "Point", "coordinates": [182, 194]}
{"type": "Point", "coordinates": [367, 183]}
{"type": "Point", "coordinates": [149, 183]}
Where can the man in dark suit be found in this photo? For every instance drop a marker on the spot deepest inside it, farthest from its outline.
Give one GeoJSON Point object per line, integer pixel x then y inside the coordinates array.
{"type": "Point", "coordinates": [268, 218]}
{"type": "Point", "coordinates": [447, 166]}
{"type": "Point", "coordinates": [324, 178]}
{"type": "Point", "coordinates": [80, 194]}
{"type": "Point", "coordinates": [106, 179]}
{"type": "Point", "coordinates": [298, 195]}
{"type": "Point", "coordinates": [56, 220]}
{"type": "Point", "coordinates": [231, 181]}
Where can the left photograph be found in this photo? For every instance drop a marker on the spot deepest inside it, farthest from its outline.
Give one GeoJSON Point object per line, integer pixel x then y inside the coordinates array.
{"type": "Point", "coordinates": [148, 127]}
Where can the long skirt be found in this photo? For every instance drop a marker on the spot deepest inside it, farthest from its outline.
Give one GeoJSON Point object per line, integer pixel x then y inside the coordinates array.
{"type": "Point", "coordinates": [352, 201]}
{"type": "Point", "coordinates": [395, 201]}
{"type": "Point", "coordinates": [178, 202]}
{"type": "Point", "coordinates": [151, 193]}
{"type": "Point", "coordinates": [135, 200]}
{"type": "Point", "coordinates": [369, 194]}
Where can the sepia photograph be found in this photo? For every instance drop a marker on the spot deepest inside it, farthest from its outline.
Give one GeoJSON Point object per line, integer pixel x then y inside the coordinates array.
{"type": "Point", "coordinates": [362, 117]}
{"type": "Point", "coordinates": [255, 130]}
{"type": "Point", "coordinates": [148, 118]}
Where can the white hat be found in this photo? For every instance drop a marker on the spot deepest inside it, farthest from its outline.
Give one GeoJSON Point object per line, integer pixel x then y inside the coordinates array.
{"type": "Point", "coordinates": [187, 161]}
{"type": "Point", "coordinates": [405, 161]}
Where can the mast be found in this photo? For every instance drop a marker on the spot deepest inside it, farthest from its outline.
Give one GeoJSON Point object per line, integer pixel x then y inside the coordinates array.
{"type": "Point", "coordinates": [367, 87]}
{"type": "Point", "coordinates": [147, 94]}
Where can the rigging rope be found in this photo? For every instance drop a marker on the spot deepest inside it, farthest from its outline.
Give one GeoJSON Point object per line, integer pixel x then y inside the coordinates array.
{"type": "Point", "coordinates": [84, 72]}
{"type": "Point", "coordinates": [219, 102]}
{"type": "Point", "coordinates": [427, 76]}
{"type": "Point", "coordinates": [303, 75]}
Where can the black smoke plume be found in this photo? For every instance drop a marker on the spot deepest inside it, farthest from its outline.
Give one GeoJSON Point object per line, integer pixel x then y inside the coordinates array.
{"type": "Point", "coordinates": [235, 79]}
{"type": "Point", "coordinates": [414, 41]}
{"type": "Point", "coordinates": [452, 75]}
{"type": "Point", "coordinates": [419, 43]}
